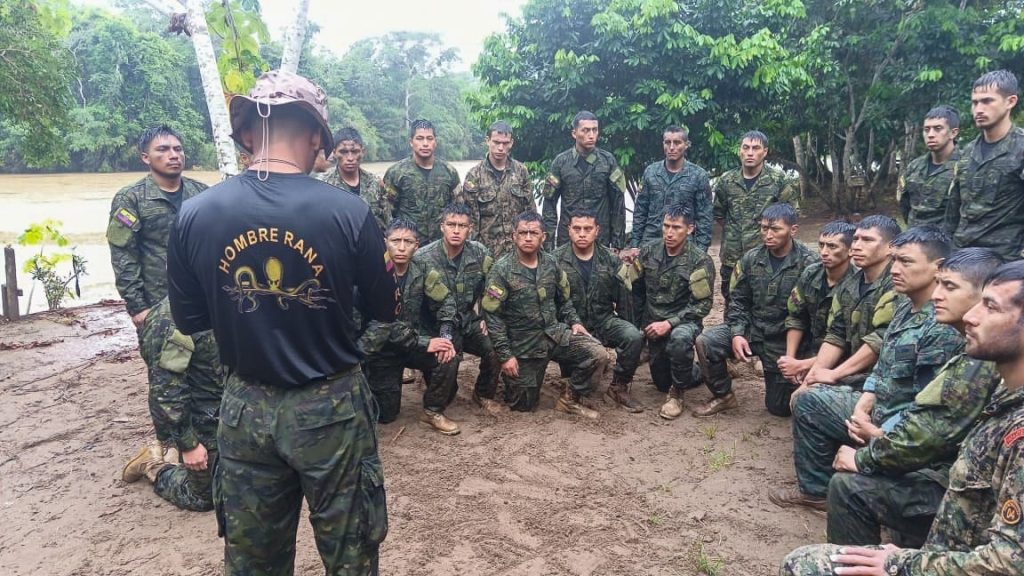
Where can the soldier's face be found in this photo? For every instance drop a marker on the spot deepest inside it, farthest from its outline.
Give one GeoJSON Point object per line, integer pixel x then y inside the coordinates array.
{"type": "Point", "coordinates": [911, 270]}
{"type": "Point", "coordinates": [776, 234]}
{"type": "Point", "coordinates": [348, 154]}
{"type": "Point", "coordinates": [674, 145]}
{"type": "Point", "coordinates": [954, 295]}
{"type": "Point", "coordinates": [833, 251]}
{"type": "Point", "coordinates": [869, 248]}
{"type": "Point", "coordinates": [674, 232]}
{"type": "Point", "coordinates": [498, 146]}
{"type": "Point", "coordinates": [423, 143]}
{"type": "Point", "coordinates": [456, 228]}
{"type": "Point", "coordinates": [989, 107]}
{"type": "Point", "coordinates": [586, 135]}
{"type": "Point", "coordinates": [937, 133]}
{"type": "Point", "coordinates": [402, 245]}
{"type": "Point", "coordinates": [529, 237]}
{"type": "Point", "coordinates": [752, 153]}
{"type": "Point", "coordinates": [165, 156]}
{"type": "Point", "coordinates": [993, 326]}
{"type": "Point", "coordinates": [583, 232]}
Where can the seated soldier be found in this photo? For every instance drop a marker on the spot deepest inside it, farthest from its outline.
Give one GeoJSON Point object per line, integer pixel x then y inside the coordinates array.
{"type": "Point", "coordinates": [916, 346]}
{"type": "Point", "coordinates": [602, 300]}
{"type": "Point", "coordinates": [755, 318]}
{"type": "Point", "coordinates": [531, 321]}
{"type": "Point", "coordinates": [978, 528]}
{"type": "Point", "coordinates": [678, 277]}
{"type": "Point", "coordinates": [391, 347]}
{"type": "Point", "coordinates": [811, 299]}
{"type": "Point", "coordinates": [897, 479]}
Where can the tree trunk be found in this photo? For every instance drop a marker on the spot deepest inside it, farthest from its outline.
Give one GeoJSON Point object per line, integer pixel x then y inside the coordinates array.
{"type": "Point", "coordinates": [294, 38]}
{"type": "Point", "coordinates": [801, 161]}
{"type": "Point", "coordinates": [213, 89]}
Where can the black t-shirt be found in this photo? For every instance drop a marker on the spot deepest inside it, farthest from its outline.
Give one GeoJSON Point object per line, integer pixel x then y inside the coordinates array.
{"type": "Point", "coordinates": [985, 148]}
{"type": "Point", "coordinates": [748, 183]}
{"type": "Point", "coordinates": [775, 261]}
{"type": "Point", "coordinates": [174, 197]}
{"type": "Point", "coordinates": [933, 167]}
{"type": "Point", "coordinates": [271, 267]}
{"type": "Point", "coordinates": [863, 287]}
{"type": "Point", "coordinates": [586, 268]}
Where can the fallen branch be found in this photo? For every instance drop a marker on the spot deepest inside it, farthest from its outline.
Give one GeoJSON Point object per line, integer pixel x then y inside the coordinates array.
{"type": "Point", "coordinates": [395, 439]}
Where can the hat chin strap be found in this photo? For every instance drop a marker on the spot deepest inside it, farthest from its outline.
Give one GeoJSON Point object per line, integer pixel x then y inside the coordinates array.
{"type": "Point", "coordinates": [263, 172]}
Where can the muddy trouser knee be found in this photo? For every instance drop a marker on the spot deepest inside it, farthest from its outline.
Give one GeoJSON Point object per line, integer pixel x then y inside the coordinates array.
{"type": "Point", "coordinates": [191, 489]}
{"type": "Point", "coordinates": [441, 379]}
{"type": "Point", "coordinates": [672, 358]}
{"type": "Point", "coordinates": [859, 505]}
{"type": "Point", "coordinates": [384, 374]}
{"type": "Point", "coordinates": [777, 389]}
{"type": "Point", "coordinates": [819, 429]}
{"type": "Point", "coordinates": [522, 393]}
{"type": "Point", "coordinates": [281, 445]}
{"type": "Point", "coordinates": [480, 346]}
{"type": "Point", "coordinates": [627, 340]}
{"type": "Point", "coordinates": [588, 360]}
{"type": "Point", "coordinates": [714, 347]}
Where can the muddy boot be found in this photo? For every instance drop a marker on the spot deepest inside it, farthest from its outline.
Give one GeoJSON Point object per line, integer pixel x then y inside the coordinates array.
{"type": "Point", "coordinates": [148, 462]}
{"type": "Point", "coordinates": [438, 421]}
{"type": "Point", "coordinates": [569, 402]}
{"type": "Point", "coordinates": [172, 455]}
{"type": "Point", "coordinates": [673, 406]}
{"type": "Point", "coordinates": [490, 405]}
{"type": "Point", "coordinates": [716, 405]}
{"type": "Point", "coordinates": [618, 392]}
{"type": "Point", "coordinates": [408, 376]}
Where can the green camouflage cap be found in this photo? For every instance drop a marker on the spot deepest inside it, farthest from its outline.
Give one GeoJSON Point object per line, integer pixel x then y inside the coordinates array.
{"type": "Point", "coordinates": [279, 88]}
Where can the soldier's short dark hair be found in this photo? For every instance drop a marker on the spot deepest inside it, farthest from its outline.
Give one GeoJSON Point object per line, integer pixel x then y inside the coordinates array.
{"type": "Point", "coordinates": [679, 211]}
{"type": "Point", "coordinates": [350, 134]}
{"type": "Point", "coordinates": [1002, 80]}
{"type": "Point", "coordinates": [421, 124]}
{"type": "Point", "coordinates": [974, 264]}
{"type": "Point", "coordinates": [676, 129]}
{"type": "Point", "coordinates": [583, 213]}
{"type": "Point", "coordinates": [527, 216]}
{"type": "Point", "coordinates": [886, 226]}
{"type": "Point", "coordinates": [840, 228]}
{"type": "Point", "coordinates": [756, 136]}
{"type": "Point", "coordinates": [499, 127]}
{"type": "Point", "coordinates": [779, 211]}
{"type": "Point", "coordinates": [1010, 272]}
{"type": "Point", "coordinates": [154, 132]}
{"type": "Point", "coordinates": [401, 224]}
{"type": "Point", "coordinates": [455, 209]}
{"type": "Point", "coordinates": [934, 241]}
{"type": "Point", "coordinates": [581, 116]}
{"type": "Point", "coordinates": [944, 112]}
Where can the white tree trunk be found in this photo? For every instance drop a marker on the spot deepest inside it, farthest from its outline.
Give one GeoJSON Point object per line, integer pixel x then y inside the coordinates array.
{"type": "Point", "coordinates": [212, 87]}
{"type": "Point", "coordinates": [294, 38]}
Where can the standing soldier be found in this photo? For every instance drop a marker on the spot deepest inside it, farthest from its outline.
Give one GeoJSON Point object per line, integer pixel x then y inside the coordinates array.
{"type": "Point", "coordinates": [271, 260]}
{"type": "Point", "coordinates": [679, 279]}
{"type": "Point", "coordinates": [602, 300]}
{"type": "Point", "coordinates": [531, 320]}
{"type": "Point", "coordinates": [349, 175]}
{"type": "Point", "coordinates": [741, 194]}
{"type": "Point", "coordinates": [986, 200]}
{"type": "Point", "coordinates": [585, 176]}
{"type": "Point", "coordinates": [756, 317]}
{"type": "Point", "coordinates": [924, 185]}
{"type": "Point", "coordinates": [419, 187]}
{"type": "Point", "coordinates": [497, 190]}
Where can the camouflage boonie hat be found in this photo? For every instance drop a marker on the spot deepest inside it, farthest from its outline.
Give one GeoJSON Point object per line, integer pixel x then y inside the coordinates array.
{"type": "Point", "coordinates": [278, 88]}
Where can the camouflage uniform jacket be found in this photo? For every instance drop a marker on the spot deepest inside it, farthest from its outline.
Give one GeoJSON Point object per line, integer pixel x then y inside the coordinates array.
{"type": "Point", "coordinates": [986, 199]}
{"type": "Point", "coordinates": [740, 209]}
{"type": "Point", "coordinates": [660, 189]}
{"type": "Point", "coordinates": [978, 527]}
{"type": "Point", "coordinates": [922, 196]}
{"type": "Point", "coordinates": [371, 191]}
{"type": "Point", "coordinates": [495, 198]}
{"type": "Point", "coordinates": [139, 229]}
{"type": "Point", "coordinates": [528, 311]}
{"type": "Point", "coordinates": [854, 320]}
{"type": "Point", "coordinates": [408, 331]}
{"type": "Point", "coordinates": [678, 287]}
{"type": "Point", "coordinates": [757, 310]}
{"type": "Point", "coordinates": [419, 195]}
{"type": "Point", "coordinates": [811, 301]}
{"type": "Point", "coordinates": [453, 289]}
{"type": "Point", "coordinates": [916, 346]}
{"type": "Point", "coordinates": [930, 431]}
{"type": "Point", "coordinates": [600, 187]}
{"type": "Point", "coordinates": [604, 296]}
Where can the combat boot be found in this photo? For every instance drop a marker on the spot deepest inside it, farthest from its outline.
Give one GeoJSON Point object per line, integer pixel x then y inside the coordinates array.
{"type": "Point", "coordinates": [569, 402]}
{"type": "Point", "coordinates": [673, 406]}
{"type": "Point", "coordinates": [172, 455]}
{"type": "Point", "coordinates": [438, 421]}
{"type": "Point", "coordinates": [490, 405]}
{"type": "Point", "coordinates": [148, 462]}
{"type": "Point", "coordinates": [716, 405]}
{"type": "Point", "coordinates": [618, 392]}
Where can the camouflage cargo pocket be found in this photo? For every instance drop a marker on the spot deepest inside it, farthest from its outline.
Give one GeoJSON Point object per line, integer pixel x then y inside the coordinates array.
{"type": "Point", "coordinates": [373, 501]}
{"type": "Point", "coordinates": [176, 352]}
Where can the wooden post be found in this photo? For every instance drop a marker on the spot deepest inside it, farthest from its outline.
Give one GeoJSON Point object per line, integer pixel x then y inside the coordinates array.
{"type": "Point", "coordinates": [10, 292]}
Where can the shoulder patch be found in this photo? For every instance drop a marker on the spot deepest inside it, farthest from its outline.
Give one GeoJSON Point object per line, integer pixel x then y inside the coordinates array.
{"type": "Point", "coordinates": [699, 285]}
{"type": "Point", "coordinates": [488, 262]}
{"type": "Point", "coordinates": [494, 295]}
{"type": "Point", "coordinates": [1010, 512]}
{"type": "Point", "coordinates": [434, 288]}
{"type": "Point", "coordinates": [469, 185]}
{"type": "Point", "coordinates": [126, 218]}
{"type": "Point", "coordinates": [496, 292]}
{"type": "Point", "coordinates": [1013, 436]}
{"type": "Point", "coordinates": [552, 180]}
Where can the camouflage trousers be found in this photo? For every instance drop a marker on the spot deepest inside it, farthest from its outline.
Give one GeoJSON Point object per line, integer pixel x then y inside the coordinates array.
{"type": "Point", "coordinates": [584, 357]}
{"type": "Point", "coordinates": [384, 374]}
{"type": "Point", "coordinates": [627, 340]}
{"type": "Point", "coordinates": [714, 347]}
{"type": "Point", "coordinates": [859, 505]}
{"type": "Point", "coordinates": [278, 445]}
{"type": "Point", "coordinates": [473, 340]}
{"type": "Point", "coordinates": [191, 489]}
{"type": "Point", "coordinates": [813, 560]}
{"type": "Point", "coordinates": [819, 429]}
{"type": "Point", "coordinates": [672, 358]}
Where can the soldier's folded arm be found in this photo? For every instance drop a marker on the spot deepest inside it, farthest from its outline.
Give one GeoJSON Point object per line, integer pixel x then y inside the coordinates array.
{"type": "Point", "coordinates": [188, 302]}
{"type": "Point", "coordinates": [375, 282]}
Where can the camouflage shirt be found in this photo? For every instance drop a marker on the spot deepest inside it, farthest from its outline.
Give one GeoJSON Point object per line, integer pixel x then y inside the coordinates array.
{"type": "Point", "coordinates": [916, 346]}
{"type": "Point", "coordinates": [986, 199]}
{"type": "Point", "coordinates": [453, 288]}
{"type": "Point", "coordinates": [739, 209]}
{"type": "Point", "coordinates": [407, 332]}
{"type": "Point", "coordinates": [978, 528]}
{"type": "Point", "coordinates": [419, 195]}
{"type": "Point", "coordinates": [679, 288]}
{"type": "Point", "coordinates": [601, 296]}
{"type": "Point", "coordinates": [923, 195]}
{"type": "Point", "coordinates": [600, 186]}
{"type": "Point", "coordinates": [528, 311]}
{"type": "Point", "coordinates": [141, 217]}
{"type": "Point", "coordinates": [929, 432]}
{"type": "Point", "coordinates": [810, 302]}
{"type": "Point", "coordinates": [757, 310]}
{"type": "Point", "coordinates": [854, 319]}
{"type": "Point", "coordinates": [660, 189]}
{"type": "Point", "coordinates": [370, 190]}
{"type": "Point", "coordinates": [495, 198]}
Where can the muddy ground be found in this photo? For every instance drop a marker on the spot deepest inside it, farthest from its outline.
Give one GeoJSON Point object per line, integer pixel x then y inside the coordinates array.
{"type": "Point", "coordinates": [521, 494]}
